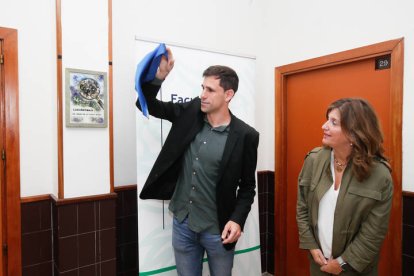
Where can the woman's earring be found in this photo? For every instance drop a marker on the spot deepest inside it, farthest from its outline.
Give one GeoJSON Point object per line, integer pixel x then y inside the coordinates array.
{"type": "Point", "coordinates": [351, 144]}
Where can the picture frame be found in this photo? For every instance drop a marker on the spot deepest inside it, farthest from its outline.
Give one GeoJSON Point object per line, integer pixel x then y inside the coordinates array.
{"type": "Point", "coordinates": [86, 98]}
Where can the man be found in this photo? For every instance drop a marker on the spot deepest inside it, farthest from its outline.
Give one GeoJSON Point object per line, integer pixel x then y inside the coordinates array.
{"type": "Point", "coordinates": [206, 167]}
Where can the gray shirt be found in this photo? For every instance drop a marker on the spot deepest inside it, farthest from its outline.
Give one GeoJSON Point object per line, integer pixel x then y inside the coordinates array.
{"type": "Point", "coordinates": [195, 193]}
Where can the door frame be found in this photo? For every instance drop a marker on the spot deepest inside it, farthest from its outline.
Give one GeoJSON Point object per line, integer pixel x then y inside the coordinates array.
{"type": "Point", "coordinates": [12, 148]}
{"type": "Point", "coordinates": [396, 49]}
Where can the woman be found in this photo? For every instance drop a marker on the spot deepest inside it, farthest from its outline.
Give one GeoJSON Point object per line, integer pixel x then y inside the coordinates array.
{"type": "Point", "coordinates": [345, 193]}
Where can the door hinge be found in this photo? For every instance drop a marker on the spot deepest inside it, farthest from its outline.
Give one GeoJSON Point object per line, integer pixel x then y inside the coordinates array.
{"type": "Point", "coordinates": [5, 249]}
{"type": "Point", "coordinates": [1, 58]}
{"type": "Point", "coordinates": [3, 154]}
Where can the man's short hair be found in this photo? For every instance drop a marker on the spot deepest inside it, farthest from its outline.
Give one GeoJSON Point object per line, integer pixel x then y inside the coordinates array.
{"type": "Point", "coordinates": [228, 77]}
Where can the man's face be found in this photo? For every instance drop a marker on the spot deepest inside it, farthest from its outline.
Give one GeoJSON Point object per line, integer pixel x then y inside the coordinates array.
{"type": "Point", "coordinates": [213, 97]}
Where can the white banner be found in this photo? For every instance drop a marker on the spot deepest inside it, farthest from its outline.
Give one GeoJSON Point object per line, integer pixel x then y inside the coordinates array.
{"type": "Point", "coordinates": [156, 256]}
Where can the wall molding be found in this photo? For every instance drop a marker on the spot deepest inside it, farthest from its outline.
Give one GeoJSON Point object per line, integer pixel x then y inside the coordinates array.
{"type": "Point", "coordinates": [73, 200]}
{"type": "Point", "coordinates": [125, 188]}
{"type": "Point", "coordinates": [35, 198]}
{"type": "Point", "coordinates": [60, 201]}
{"type": "Point", "coordinates": [265, 172]}
{"type": "Point", "coordinates": [110, 97]}
{"type": "Point", "coordinates": [408, 193]}
{"type": "Point", "coordinates": [59, 91]}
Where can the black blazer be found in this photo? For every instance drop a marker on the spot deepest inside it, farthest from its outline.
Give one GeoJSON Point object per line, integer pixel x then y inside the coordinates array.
{"type": "Point", "coordinates": [235, 190]}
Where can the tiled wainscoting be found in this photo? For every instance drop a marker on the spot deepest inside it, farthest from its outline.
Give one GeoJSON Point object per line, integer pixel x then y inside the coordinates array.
{"type": "Point", "coordinates": [84, 238]}
{"type": "Point", "coordinates": [266, 193]}
{"type": "Point", "coordinates": [69, 237]}
{"type": "Point", "coordinates": [98, 237]}
{"type": "Point", "coordinates": [127, 232]}
{"type": "Point", "coordinates": [408, 234]}
{"type": "Point", "coordinates": [37, 251]}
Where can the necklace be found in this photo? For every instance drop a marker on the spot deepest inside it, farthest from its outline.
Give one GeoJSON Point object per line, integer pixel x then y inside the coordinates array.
{"type": "Point", "coordinates": [339, 167]}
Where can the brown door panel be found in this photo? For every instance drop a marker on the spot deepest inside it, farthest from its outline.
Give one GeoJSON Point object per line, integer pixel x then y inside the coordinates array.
{"type": "Point", "coordinates": [303, 96]}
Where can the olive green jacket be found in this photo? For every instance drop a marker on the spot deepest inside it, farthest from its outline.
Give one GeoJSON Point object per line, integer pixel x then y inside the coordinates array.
{"type": "Point", "coordinates": [361, 215]}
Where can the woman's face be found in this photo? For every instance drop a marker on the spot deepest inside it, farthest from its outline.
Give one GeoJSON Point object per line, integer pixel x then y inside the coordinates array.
{"type": "Point", "coordinates": [332, 132]}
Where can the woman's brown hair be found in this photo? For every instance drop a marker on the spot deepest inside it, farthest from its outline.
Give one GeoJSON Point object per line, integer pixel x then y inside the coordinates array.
{"type": "Point", "coordinates": [360, 124]}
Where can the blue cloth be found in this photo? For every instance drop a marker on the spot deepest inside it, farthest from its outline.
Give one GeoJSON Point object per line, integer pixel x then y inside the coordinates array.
{"type": "Point", "coordinates": [146, 71]}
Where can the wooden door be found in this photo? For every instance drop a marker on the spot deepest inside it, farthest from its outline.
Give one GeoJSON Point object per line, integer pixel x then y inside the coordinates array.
{"type": "Point", "coordinates": [3, 222]}
{"type": "Point", "coordinates": [9, 156]}
{"type": "Point", "coordinates": [303, 96]}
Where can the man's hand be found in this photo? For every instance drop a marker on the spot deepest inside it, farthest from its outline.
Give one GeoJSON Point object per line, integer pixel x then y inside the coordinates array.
{"type": "Point", "coordinates": [166, 65]}
{"type": "Point", "coordinates": [332, 267]}
{"type": "Point", "coordinates": [231, 232]}
{"type": "Point", "coordinates": [318, 257]}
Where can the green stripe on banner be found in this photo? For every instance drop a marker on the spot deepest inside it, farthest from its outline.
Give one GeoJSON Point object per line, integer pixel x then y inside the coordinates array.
{"type": "Point", "coordinates": [169, 268]}
{"type": "Point", "coordinates": [247, 250]}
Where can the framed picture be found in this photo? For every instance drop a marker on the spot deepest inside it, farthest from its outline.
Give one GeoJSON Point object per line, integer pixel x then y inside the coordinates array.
{"type": "Point", "coordinates": [86, 98]}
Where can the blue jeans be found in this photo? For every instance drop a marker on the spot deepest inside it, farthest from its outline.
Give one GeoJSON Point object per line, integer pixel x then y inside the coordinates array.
{"type": "Point", "coordinates": [189, 248]}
